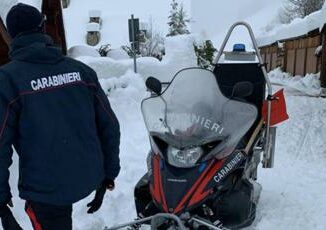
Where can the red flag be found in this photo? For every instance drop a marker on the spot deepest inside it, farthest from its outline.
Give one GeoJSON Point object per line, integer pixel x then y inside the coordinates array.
{"type": "Point", "coordinates": [278, 111]}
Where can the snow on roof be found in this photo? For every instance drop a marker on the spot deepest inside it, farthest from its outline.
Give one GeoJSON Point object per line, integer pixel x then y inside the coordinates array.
{"type": "Point", "coordinates": [257, 14]}
{"type": "Point", "coordinates": [297, 28]}
{"type": "Point", "coordinates": [93, 27]}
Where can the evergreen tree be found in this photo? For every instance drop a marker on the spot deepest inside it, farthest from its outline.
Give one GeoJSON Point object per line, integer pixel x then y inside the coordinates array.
{"type": "Point", "coordinates": [205, 54]}
{"type": "Point", "coordinates": [178, 20]}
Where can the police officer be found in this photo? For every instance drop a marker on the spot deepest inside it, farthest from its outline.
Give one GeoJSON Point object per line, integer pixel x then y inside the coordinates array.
{"type": "Point", "coordinates": [60, 122]}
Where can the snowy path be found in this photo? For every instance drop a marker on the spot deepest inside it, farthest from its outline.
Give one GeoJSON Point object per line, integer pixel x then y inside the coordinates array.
{"type": "Point", "coordinates": [293, 192]}
{"type": "Point", "coordinates": [293, 195]}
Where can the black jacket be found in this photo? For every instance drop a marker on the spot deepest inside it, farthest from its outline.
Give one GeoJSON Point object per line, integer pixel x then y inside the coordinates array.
{"type": "Point", "coordinates": [56, 115]}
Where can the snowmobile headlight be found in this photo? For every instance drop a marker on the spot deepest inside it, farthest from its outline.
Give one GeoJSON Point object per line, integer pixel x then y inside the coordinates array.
{"type": "Point", "coordinates": [186, 158]}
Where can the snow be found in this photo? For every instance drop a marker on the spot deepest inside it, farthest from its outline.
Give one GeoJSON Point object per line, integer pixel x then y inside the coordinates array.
{"type": "Point", "coordinates": [80, 51]}
{"type": "Point", "coordinates": [93, 27]}
{"type": "Point", "coordinates": [318, 50]}
{"type": "Point", "coordinates": [118, 54]}
{"type": "Point", "coordinates": [179, 54]}
{"type": "Point", "coordinates": [308, 85]}
{"type": "Point", "coordinates": [292, 197]}
{"type": "Point", "coordinates": [298, 27]}
{"type": "Point", "coordinates": [115, 15]}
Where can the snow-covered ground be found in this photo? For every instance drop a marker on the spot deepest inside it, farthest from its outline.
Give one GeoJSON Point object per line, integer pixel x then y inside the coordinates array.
{"type": "Point", "coordinates": [292, 197]}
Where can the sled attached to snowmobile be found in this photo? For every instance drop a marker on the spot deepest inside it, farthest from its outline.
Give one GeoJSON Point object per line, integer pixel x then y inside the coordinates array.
{"type": "Point", "coordinates": [207, 132]}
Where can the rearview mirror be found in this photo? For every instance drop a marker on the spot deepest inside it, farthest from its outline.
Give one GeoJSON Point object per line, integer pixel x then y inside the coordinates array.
{"type": "Point", "coordinates": [242, 89]}
{"type": "Point", "coordinates": [154, 85]}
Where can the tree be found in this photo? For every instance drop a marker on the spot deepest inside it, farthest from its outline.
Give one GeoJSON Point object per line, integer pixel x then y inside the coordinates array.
{"type": "Point", "coordinates": [299, 9]}
{"type": "Point", "coordinates": [178, 20]}
{"type": "Point", "coordinates": [205, 54]}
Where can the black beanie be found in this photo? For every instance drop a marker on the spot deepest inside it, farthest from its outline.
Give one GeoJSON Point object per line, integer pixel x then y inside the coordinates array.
{"type": "Point", "coordinates": [24, 18]}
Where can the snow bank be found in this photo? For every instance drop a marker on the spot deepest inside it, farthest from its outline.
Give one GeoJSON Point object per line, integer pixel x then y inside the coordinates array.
{"type": "Point", "coordinates": [179, 55]}
{"type": "Point", "coordinates": [308, 85]}
{"type": "Point", "coordinates": [298, 27]}
{"type": "Point", "coordinates": [118, 54]}
{"type": "Point", "coordinates": [82, 51]}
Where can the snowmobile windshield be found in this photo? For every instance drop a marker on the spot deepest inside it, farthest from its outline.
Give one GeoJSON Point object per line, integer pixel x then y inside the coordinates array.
{"type": "Point", "coordinates": [193, 112]}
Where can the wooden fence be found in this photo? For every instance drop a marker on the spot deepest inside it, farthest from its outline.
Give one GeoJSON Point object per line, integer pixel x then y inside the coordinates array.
{"type": "Point", "coordinates": [298, 56]}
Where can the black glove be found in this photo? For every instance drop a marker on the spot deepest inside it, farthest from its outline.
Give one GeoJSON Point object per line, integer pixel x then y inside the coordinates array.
{"type": "Point", "coordinates": [96, 203]}
{"type": "Point", "coordinates": [7, 219]}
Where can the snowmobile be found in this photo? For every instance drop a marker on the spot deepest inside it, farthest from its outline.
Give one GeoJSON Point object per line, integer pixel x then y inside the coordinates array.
{"type": "Point", "coordinates": [208, 133]}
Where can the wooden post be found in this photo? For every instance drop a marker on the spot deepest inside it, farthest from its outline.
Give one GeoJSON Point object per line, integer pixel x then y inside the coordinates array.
{"type": "Point", "coordinates": [285, 56]}
{"type": "Point", "coordinates": [323, 59]}
{"type": "Point", "coordinates": [4, 43]}
{"type": "Point", "coordinates": [54, 25]}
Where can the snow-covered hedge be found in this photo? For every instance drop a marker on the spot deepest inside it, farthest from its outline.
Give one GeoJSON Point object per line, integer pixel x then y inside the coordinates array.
{"type": "Point", "coordinates": [179, 54]}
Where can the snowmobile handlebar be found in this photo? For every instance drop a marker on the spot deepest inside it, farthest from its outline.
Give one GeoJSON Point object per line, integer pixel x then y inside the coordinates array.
{"type": "Point", "coordinates": [153, 219]}
{"type": "Point", "coordinates": [267, 161]}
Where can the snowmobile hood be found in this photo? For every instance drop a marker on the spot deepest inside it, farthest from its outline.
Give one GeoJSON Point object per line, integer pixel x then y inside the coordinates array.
{"type": "Point", "coordinates": [35, 48]}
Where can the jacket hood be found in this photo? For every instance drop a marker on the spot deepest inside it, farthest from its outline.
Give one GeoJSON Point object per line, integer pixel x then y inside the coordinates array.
{"type": "Point", "coordinates": [35, 48]}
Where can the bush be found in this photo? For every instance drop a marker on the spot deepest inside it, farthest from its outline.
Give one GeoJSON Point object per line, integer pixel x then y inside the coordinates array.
{"type": "Point", "coordinates": [104, 50]}
{"type": "Point", "coordinates": [205, 53]}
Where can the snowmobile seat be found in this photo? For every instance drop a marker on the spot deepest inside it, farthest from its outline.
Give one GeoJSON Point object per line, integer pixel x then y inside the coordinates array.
{"type": "Point", "coordinates": [229, 74]}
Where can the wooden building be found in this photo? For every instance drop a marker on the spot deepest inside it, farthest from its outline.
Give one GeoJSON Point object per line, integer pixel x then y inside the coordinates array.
{"type": "Point", "coordinates": [294, 55]}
